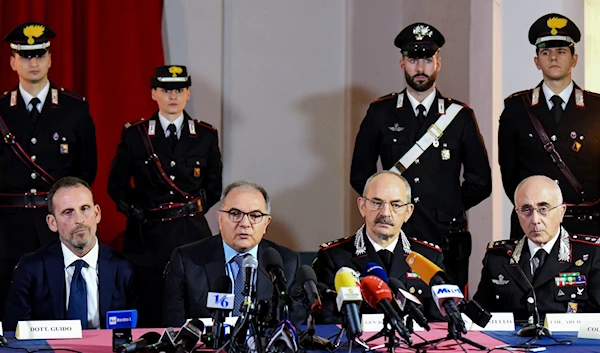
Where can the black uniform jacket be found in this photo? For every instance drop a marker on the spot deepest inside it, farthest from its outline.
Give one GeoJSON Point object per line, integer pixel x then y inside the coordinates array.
{"type": "Point", "coordinates": [390, 129]}
{"type": "Point", "coordinates": [342, 253]}
{"type": "Point", "coordinates": [504, 289]}
{"type": "Point", "coordinates": [522, 154]}
{"type": "Point", "coordinates": [194, 267]}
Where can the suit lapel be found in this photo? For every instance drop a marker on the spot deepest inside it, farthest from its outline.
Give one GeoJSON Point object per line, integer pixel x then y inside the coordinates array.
{"type": "Point", "coordinates": [514, 272]}
{"type": "Point", "coordinates": [185, 140]}
{"type": "Point", "coordinates": [544, 114]}
{"type": "Point", "coordinates": [361, 261]}
{"type": "Point", "coordinates": [107, 272]}
{"type": "Point", "coordinates": [264, 288]}
{"type": "Point", "coordinates": [551, 266]}
{"type": "Point", "coordinates": [49, 113]}
{"type": "Point", "coordinates": [55, 271]}
{"type": "Point", "coordinates": [399, 266]}
{"type": "Point", "coordinates": [21, 115]}
{"type": "Point", "coordinates": [215, 260]}
{"type": "Point", "coordinates": [405, 115]}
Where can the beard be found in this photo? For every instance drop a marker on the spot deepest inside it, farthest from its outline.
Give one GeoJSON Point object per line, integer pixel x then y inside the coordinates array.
{"type": "Point", "coordinates": [420, 86]}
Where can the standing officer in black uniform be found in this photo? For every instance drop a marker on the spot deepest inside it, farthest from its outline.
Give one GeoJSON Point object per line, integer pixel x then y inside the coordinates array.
{"type": "Point", "coordinates": [552, 129]}
{"type": "Point", "coordinates": [176, 168]}
{"type": "Point", "coordinates": [48, 134]}
{"type": "Point", "coordinates": [397, 122]}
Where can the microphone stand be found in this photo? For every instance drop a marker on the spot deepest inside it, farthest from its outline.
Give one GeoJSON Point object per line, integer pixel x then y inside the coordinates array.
{"type": "Point", "coordinates": [391, 342]}
{"type": "Point", "coordinates": [453, 335]}
{"type": "Point", "coordinates": [357, 340]}
{"type": "Point", "coordinates": [309, 340]}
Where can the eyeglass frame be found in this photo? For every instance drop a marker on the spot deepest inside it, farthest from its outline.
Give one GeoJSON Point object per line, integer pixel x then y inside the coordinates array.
{"type": "Point", "coordinates": [536, 209]}
{"type": "Point", "coordinates": [245, 214]}
{"type": "Point", "coordinates": [383, 202]}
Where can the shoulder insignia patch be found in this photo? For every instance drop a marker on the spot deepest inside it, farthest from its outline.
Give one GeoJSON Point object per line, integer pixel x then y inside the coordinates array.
{"type": "Point", "coordinates": [500, 243]}
{"type": "Point", "coordinates": [204, 124]}
{"type": "Point", "coordinates": [72, 94]}
{"type": "Point", "coordinates": [520, 93]}
{"type": "Point", "coordinates": [585, 238]}
{"type": "Point", "coordinates": [134, 123]}
{"type": "Point", "coordinates": [427, 244]}
{"type": "Point", "coordinates": [387, 96]}
{"type": "Point", "coordinates": [332, 243]}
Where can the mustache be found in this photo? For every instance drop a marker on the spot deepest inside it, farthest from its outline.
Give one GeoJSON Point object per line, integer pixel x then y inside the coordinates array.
{"type": "Point", "coordinates": [81, 227]}
{"type": "Point", "coordinates": [385, 220]}
{"type": "Point", "coordinates": [420, 75]}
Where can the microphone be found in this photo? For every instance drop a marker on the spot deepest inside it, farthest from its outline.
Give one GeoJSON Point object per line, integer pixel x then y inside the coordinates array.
{"type": "Point", "coordinates": [140, 344]}
{"type": "Point", "coordinates": [536, 329]}
{"type": "Point", "coordinates": [188, 336]}
{"type": "Point", "coordinates": [414, 312]}
{"type": "Point", "coordinates": [306, 275]}
{"type": "Point", "coordinates": [378, 295]}
{"type": "Point", "coordinates": [373, 269]}
{"type": "Point", "coordinates": [446, 296]}
{"type": "Point", "coordinates": [284, 338]}
{"type": "Point", "coordinates": [250, 265]}
{"type": "Point", "coordinates": [274, 265]}
{"type": "Point", "coordinates": [216, 301]}
{"type": "Point", "coordinates": [166, 343]}
{"type": "Point", "coordinates": [348, 299]}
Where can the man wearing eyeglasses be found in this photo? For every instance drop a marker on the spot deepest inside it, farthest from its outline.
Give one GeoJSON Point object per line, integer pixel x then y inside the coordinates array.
{"type": "Point", "coordinates": [563, 268]}
{"type": "Point", "coordinates": [243, 220]}
{"type": "Point", "coordinates": [386, 206]}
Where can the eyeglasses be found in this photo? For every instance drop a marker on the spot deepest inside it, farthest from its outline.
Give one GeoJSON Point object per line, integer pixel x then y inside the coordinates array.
{"type": "Point", "coordinates": [527, 211]}
{"type": "Point", "coordinates": [376, 205]}
{"type": "Point", "coordinates": [237, 216]}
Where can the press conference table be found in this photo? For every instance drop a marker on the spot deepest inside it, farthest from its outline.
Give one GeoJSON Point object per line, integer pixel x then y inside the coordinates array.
{"type": "Point", "coordinates": [100, 341]}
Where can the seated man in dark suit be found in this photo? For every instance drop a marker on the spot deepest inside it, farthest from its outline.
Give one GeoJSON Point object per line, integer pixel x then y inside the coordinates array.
{"type": "Point", "coordinates": [563, 268]}
{"type": "Point", "coordinates": [243, 219]}
{"type": "Point", "coordinates": [386, 206]}
{"type": "Point", "coordinates": [76, 277]}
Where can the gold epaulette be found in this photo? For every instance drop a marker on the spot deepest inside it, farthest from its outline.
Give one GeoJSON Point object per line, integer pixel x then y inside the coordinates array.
{"type": "Point", "coordinates": [332, 243]}
{"type": "Point", "coordinates": [500, 243]}
{"type": "Point", "coordinates": [427, 244]}
{"type": "Point", "coordinates": [585, 238]}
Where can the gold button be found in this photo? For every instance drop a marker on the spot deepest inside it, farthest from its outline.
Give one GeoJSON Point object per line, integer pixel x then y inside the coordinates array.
{"type": "Point", "coordinates": [33, 158]}
{"type": "Point", "coordinates": [33, 175]}
{"type": "Point", "coordinates": [34, 140]}
{"type": "Point", "coordinates": [173, 164]}
{"type": "Point", "coordinates": [172, 177]}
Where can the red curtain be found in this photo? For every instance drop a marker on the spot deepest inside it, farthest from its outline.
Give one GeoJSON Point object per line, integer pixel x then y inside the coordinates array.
{"type": "Point", "coordinates": [105, 50]}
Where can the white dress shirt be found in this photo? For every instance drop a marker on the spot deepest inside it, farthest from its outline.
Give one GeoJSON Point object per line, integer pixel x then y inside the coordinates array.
{"type": "Point", "coordinates": [391, 247]}
{"type": "Point", "coordinates": [90, 275]}
{"type": "Point", "coordinates": [533, 247]}
{"type": "Point", "coordinates": [27, 97]}
{"type": "Point", "coordinates": [426, 102]}
{"type": "Point", "coordinates": [164, 122]}
{"type": "Point", "coordinates": [564, 95]}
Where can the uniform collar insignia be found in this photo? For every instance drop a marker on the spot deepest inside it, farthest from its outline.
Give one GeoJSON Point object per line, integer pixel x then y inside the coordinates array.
{"type": "Point", "coordinates": [361, 249]}
{"type": "Point", "coordinates": [579, 98]}
{"type": "Point", "coordinates": [152, 128]}
{"type": "Point", "coordinates": [441, 106]}
{"type": "Point", "coordinates": [564, 250]}
{"type": "Point", "coordinates": [192, 127]}
{"type": "Point", "coordinates": [54, 95]}
{"type": "Point", "coordinates": [400, 101]}
{"type": "Point", "coordinates": [535, 96]}
{"type": "Point", "coordinates": [13, 98]}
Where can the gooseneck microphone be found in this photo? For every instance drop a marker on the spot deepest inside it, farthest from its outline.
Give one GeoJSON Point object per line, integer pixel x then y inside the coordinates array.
{"type": "Point", "coordinates": [414, 312]}
{"type": "Point", "coordinates": [536, 329]}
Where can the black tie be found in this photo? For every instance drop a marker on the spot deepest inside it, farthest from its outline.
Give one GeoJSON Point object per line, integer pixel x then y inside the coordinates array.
{"type": "Point", "coordinates": [34, 112]}
{"type": "Point", "coordinates": [538, 260]}
{"type": "Point", "coordinates": [386, 258]}
{"type": "Point", "coordinates": [78, 297]}
{"type": "Point", "coordinates": [173, 135]}
{"type": "Point", "coordinates": [421, 114]}
{"type": "Point", "coordinates": [557, 107]}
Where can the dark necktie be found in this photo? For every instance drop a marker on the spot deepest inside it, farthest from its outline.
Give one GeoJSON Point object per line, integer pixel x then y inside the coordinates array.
{"type": "Point", "coordinates": [173, 136]}
{"type": "Point", "coordinates": [538, 260]}
{"type": "Point", "coordinates": [386, 258]}
{"type": "Point", "coordinates": [78, 308]}
{"type": "Point", "coordinates": [34, 113]}
{"type": "Point", "coordinates": [238, 286]}
{"type": "Point", "coordinates": [421, 114]}
{"type": "Point", "coordinates": [557, 110]}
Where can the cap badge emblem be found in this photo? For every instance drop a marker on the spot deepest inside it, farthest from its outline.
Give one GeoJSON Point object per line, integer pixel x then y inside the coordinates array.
{"type": "Point", "coordinates": [421, 31]}
{"type": "Point", "coordinates": [33, 31]}
{"type": "Point", "coordinates": [175, 70]}
{"type": "Point", "coordinates": [556, 22]}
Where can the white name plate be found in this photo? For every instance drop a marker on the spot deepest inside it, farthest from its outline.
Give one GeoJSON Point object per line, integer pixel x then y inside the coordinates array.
{"type": "Point", "coordinates": [374, 323]}
{"type": "Point", "coordinates": [208, 321]}
{"type": "Point", "coordinates": [48, 329]}
{"type": "Point", "coordinates": [590, 327]}
{"type": "Point", "coordinates": [498, 322]}
{"type": "Point", "coordinates": [566, 322]}
{"type": "Point", "coordinates": [1, 332]}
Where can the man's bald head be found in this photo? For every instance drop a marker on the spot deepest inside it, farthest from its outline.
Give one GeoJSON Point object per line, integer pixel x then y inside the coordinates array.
{"type": "Point", "coordinates": [542, 181]}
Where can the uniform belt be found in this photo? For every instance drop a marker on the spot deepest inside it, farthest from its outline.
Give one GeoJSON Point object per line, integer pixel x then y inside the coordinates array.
{"type": "Point", "coordinates": [26, 200]}
{"type": "Point", "coordinates": [169, 211]}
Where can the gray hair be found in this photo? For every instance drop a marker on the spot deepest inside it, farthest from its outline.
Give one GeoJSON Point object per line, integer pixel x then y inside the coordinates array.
{"type": "Point", "coordinates": [65, 182]}
{"type": "Point", "coordinates": [557, 189]}
{"type": "Point", "coordinates": [382, 172]}
{"type": "Point", "coordinates": [247, 185]}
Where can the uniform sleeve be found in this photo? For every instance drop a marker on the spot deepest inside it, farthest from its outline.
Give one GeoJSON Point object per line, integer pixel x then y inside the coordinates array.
{"type": "Point", "coordinates": [86, 162]}
{"type": "Point", "coordinates": [214, 175]}
{"type": "Point", "coordinates": [119, 178]}
{"type": "Point", "coordinates": [366, 152]}
{"type": "Point", "coordinates": [508, 151]}
{"type": "Point", "coordinates": [477, 184]}
{"type": "Point", "coordinates": [483, 294]}
{"type": "Point", "coordinates": [593, 280]}
{"type": "Point", "coordinates": [18, 305]}
{"type": "Point", "coordinates": [173, 310]}
{"type": "Point", "coordinates": [325, 270]}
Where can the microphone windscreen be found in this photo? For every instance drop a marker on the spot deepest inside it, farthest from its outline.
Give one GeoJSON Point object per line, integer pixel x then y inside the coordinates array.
{"type": "Point", "coordinates": [373, 269]}
{"type": "Point", "coordinates": [305, 273]}
{"type": "Point", "coordinates": [345, 277]}
{"type": "Point", "coordinates": [422, 266]}
{"type": "Point", "coordinates": [396, 284]}
{"type": "Point", "coordinates": [272, 259]}
{"type": "Point", "coordinates": [151, 337]}
{"type": "Point", "coordinates": [374, 289]}
{"type": "Point", "coordinates": [222, 284]}
{"type": "Point", "coordinates": [508, 249]}
{"type": "Point", "coordinates": [250, 261]}
{"type": "Point", "coordinates": [198, 324]}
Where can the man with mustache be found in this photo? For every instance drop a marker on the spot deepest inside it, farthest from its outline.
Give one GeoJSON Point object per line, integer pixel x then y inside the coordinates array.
{"type": "Point", "coordinates": [429, 139]}
{"type": "Point", "coordinates": [552, 129]}
{"type": "Point", "coordinates": [386, 206]}
{"type": "Point", "coordinates": [563, 267]}
{"type": "Point", "coordinates": [76, 277]}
